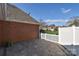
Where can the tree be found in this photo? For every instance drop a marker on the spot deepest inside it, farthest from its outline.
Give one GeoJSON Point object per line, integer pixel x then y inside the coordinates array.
{"type": "Point", "coordinates": [43, 25]}
{"type": "Point", "coordinates": [73, 21]}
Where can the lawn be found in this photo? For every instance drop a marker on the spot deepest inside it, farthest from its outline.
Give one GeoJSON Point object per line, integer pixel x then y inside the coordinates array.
{"type": "Point", "coordinates": [51, 32]}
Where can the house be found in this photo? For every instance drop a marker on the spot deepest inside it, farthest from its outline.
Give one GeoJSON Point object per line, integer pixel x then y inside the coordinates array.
{"type": "Point", "coordinates": [44, 27]}
{"type": "Point", "coordinates": [54, 27]}
{"type": "Point", "coordinates": [16, 25]}
{"type": "Point", "coordinates": [51, 27]}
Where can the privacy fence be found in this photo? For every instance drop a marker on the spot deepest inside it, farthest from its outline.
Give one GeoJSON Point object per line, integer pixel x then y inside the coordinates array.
{"type": "Point", "coordinates": [69, 35]}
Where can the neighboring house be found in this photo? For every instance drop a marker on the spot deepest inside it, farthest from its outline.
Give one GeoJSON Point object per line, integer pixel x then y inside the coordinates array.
{"type": "Point", "coordinates": [43, 27]}
{"type": "Point", "coordinates": [16, 25]}
{"type": "Point", "coordinates": [52, 27]}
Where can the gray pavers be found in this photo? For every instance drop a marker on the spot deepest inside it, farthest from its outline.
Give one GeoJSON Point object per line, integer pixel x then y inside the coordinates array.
{"type": "Point", "coordinates": [37, 47]}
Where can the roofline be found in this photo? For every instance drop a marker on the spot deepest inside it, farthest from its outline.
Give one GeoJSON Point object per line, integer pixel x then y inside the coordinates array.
{"type": "Point", "coordinates": [24, 13]}
{"type": "Point", "coordinates": [20, 22]}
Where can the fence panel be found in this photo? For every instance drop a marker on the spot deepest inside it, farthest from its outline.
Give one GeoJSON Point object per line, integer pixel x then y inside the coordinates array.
{"type": "Point", "coordinates": [52, 38]}
{"type": "Point", "coordinates": [42, 36]}
{"type": "Point", "coordinates": [76, 35]}
{"type": "Point", "coordinates": [66, 35]}
{"type": "Point", "coordinates": [49, 37]}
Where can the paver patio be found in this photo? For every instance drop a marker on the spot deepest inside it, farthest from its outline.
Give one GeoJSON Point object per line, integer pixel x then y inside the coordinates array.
{"type": "Point", "coordinates": [37, 47]}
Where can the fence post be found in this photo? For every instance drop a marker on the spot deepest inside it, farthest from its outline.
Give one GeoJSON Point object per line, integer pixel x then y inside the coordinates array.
{"type": "Point", "coordinates": [45, 36]}
{"type": "Point", "coordinates": [59, 35]}
{"type": "Point", "coordinates": [73, 35]}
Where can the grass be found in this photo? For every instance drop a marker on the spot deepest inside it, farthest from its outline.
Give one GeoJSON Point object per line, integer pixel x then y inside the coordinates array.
{"type": "Point", "coordinates": [51, 32]}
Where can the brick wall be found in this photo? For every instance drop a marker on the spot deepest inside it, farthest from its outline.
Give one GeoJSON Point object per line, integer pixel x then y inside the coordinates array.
{"type": "Point", "coordinates": [16, 31]}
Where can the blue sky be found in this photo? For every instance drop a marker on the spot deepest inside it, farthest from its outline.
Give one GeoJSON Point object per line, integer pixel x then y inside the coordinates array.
{"type": "Point", "coordinates": [54, 13]}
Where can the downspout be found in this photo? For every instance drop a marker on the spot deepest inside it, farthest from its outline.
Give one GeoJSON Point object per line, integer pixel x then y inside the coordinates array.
{"type": "Point", "coordinates": [4, 23]}
{"type": "Point", "coordinates": [5, 10]}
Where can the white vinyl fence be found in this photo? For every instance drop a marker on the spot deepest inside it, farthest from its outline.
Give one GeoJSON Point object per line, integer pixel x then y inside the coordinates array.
{"type": "Point", "coordinates": [49, 37]}
{"type": "Point", "coordinates": [69, 35]}
{"type": "Point", "coordinates": [77, 35]}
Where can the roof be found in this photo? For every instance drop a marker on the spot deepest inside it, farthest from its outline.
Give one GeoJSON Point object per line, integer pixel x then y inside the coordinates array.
{"type": "Point", "coordinates": [13, 13]}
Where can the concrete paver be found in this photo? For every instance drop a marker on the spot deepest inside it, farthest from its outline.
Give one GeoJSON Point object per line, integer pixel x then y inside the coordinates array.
{"type": "Point", "coordinates": [37, 47]}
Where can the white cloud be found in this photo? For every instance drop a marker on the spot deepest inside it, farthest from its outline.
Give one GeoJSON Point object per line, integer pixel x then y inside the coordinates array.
{"type": "Point", "coordinates": [55, 20]}
{"type": "Point", "coordinates": [65, 10]}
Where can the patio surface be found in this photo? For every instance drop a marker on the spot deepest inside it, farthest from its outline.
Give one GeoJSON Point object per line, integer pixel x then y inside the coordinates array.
{"type": "Point", "coordinates": [37, 47]}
